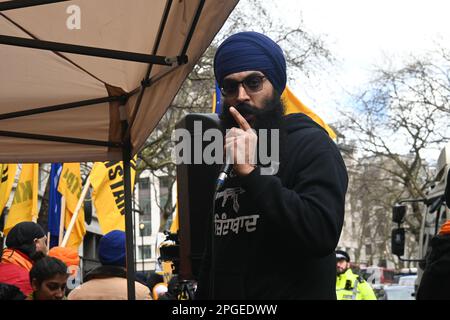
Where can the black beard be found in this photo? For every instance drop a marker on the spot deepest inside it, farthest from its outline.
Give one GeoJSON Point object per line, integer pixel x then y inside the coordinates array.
{"type": "Point", "coordinates": [270, 116]}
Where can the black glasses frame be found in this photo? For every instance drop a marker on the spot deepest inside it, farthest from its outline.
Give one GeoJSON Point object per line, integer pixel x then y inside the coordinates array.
{"type": "Point", "coordinates": [233, 89]}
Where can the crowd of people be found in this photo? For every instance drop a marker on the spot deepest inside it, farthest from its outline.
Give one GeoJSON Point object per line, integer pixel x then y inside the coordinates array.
{"type": "Point", "coordinates": [29, 271]}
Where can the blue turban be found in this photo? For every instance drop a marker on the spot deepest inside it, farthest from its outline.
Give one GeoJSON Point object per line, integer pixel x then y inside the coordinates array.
{"type": "Point", "coordinates": [245, 51]}
{"type": "Point", "coordinates": [111, 249]}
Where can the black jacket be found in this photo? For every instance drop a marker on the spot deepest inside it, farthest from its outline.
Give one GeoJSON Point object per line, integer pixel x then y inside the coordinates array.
{"type": "Point", "coordinates": [435, 282]}
{"type": "Point", "coordinates": [278, 233]}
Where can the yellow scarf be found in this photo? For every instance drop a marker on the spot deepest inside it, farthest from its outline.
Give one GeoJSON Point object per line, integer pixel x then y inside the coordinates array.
{"type": "Point", "coordinates": [15, 257]}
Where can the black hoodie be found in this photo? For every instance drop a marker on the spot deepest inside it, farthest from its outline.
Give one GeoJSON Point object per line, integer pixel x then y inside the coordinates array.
{"type": "Point", "coordinates": [435, 282]}
{"type": "Point", "coordinates": [276, 234]}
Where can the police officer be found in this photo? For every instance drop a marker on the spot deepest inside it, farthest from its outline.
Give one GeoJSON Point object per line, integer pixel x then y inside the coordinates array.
{"type": "Point", "coordinates": [350, 286]}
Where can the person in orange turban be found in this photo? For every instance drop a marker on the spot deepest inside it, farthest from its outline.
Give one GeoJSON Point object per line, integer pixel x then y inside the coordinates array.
{"type": "Point", "coordinates": [67, 255]}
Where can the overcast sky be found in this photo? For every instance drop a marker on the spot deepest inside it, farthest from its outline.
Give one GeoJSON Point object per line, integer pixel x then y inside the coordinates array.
{"type": "Point", "coordinates": [360, 33]}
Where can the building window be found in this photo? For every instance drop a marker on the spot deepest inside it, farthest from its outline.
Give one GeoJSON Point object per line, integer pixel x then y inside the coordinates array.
{"type": "Point", "coordinates": [147, 251]}
{"type": "Point", "coordinates": [145, 208]}
{"type": "Point", "coordinates": [145, 197]}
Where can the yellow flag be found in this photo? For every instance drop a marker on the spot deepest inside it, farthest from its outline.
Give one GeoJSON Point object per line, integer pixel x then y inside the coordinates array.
{"type": "Point", "coordinates": [25, 203]}
{"type": "Point", "coordinates": [70, 188]}
{"type": "Point", "coordinates": [7, 175]}
{"type": "Point", "coordinates": [294, 105]}
{"type": "Point", "coordinates": [175, 223]}
{"type": "Point", "coordinates": [108, 193]}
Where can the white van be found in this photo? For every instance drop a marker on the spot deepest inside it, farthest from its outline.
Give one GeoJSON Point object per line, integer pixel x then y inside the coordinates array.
{"type": "Point", "coordinates": [407, 280]}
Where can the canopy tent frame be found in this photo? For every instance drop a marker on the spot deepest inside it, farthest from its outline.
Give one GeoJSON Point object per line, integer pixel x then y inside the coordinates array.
{"type": "Point", "coordinates": [125, 143]}
{"type": "Point", "coordinates": [32, 136]}
{"type": "Point", "coordinates": [19, 4]}
{"type": "Point", "coordinates": [91, 51]}
{"type": "Point", "coordinates": [59, 107]}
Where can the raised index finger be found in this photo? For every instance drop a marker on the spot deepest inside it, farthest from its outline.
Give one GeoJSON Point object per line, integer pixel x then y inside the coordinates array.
{"type": "Point", "coordinates": [239, 119]}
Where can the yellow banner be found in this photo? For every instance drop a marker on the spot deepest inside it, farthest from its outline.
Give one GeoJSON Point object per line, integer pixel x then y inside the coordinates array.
{"type": "Point", "coordinates": [7, 175]}
{"type": "Point", "coordinates": [294, 105]}
{"type": "Point", "coordinates": [108, 193]}
{"type": "Point", "coordinates": [70, 188]}
{"type": "Point", "coordinates": [25, 203]}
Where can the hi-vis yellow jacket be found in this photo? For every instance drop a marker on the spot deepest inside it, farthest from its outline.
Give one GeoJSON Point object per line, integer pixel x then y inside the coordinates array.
{"type": "Point", "coordinates": [350, 286]}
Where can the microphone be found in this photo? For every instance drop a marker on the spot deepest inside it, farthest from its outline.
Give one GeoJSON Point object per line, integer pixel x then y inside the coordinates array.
{"type": "Point", "coordinates": [224, 174]}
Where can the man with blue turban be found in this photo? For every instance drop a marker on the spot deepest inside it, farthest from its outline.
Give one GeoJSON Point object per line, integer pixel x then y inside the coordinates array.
{"type": "Point", "coordinates": [277, 219]}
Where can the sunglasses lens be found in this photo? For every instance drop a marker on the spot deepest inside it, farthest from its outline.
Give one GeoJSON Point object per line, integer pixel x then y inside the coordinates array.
{"type": "Point", "coordinates": [229, 88]}
{"type": "Point", "coordinates": [253, 83]}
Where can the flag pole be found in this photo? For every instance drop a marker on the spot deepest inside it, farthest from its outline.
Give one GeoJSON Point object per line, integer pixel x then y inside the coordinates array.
{"type": "Point", "coordinates": [62, 219]}
{"type": "Point", "coordinates": [75, 214]}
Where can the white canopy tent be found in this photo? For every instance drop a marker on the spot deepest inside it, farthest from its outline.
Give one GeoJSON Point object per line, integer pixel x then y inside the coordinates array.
{"type": "Point", "coordinates": [96, 92]}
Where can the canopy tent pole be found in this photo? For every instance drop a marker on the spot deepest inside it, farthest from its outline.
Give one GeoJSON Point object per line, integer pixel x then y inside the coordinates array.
{"type": "Point", "coordinates": [129, 222]}
{"type": "Point", "coordinates": [84, 103]}
{"type": "Point", "coordinates": [129, 232]}
{"type": "Point", "coordinates": [91, 51]}
{"type": "Point", "coordinates": [43, 137]}
{"type": "Point", "coordinates": [19, 4]}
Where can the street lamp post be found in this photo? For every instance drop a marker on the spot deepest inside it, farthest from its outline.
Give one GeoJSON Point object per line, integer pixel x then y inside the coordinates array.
{"type": "Point", "coordinates": [135, 241]}
{"type": "Point", "coordinates": [141, 228]}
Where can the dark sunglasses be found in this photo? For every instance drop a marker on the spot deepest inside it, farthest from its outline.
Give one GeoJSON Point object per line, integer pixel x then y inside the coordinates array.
{"type": "Point", "coordinates": [253, 83]}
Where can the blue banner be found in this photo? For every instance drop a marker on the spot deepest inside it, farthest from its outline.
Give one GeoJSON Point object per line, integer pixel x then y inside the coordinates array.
{"type": "Point", "coordinates": [54, 204]}
{"type": "Point", "coordinates": [217, 107]}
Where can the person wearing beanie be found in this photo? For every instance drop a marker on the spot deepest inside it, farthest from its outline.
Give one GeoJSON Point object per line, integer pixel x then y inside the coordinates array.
{"type": "Point", "coordinates": [109, 281]}
{"type": "Point", "coordinates": [296, 194]}
{"type": "Point", "coordinates": [25, 244]}
{"type": "Point", "coordinates": [350, 286]}
{"type": "Point", "coordinates": [111, 250]}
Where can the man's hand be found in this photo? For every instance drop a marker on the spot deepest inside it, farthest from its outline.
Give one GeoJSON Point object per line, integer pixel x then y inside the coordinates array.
{"type": "Point", "coordinates": [240, 145]}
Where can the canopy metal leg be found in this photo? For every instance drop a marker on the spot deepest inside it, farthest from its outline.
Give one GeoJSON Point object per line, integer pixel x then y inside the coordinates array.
{"type": "Point", "coordinates": [131, 276]}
